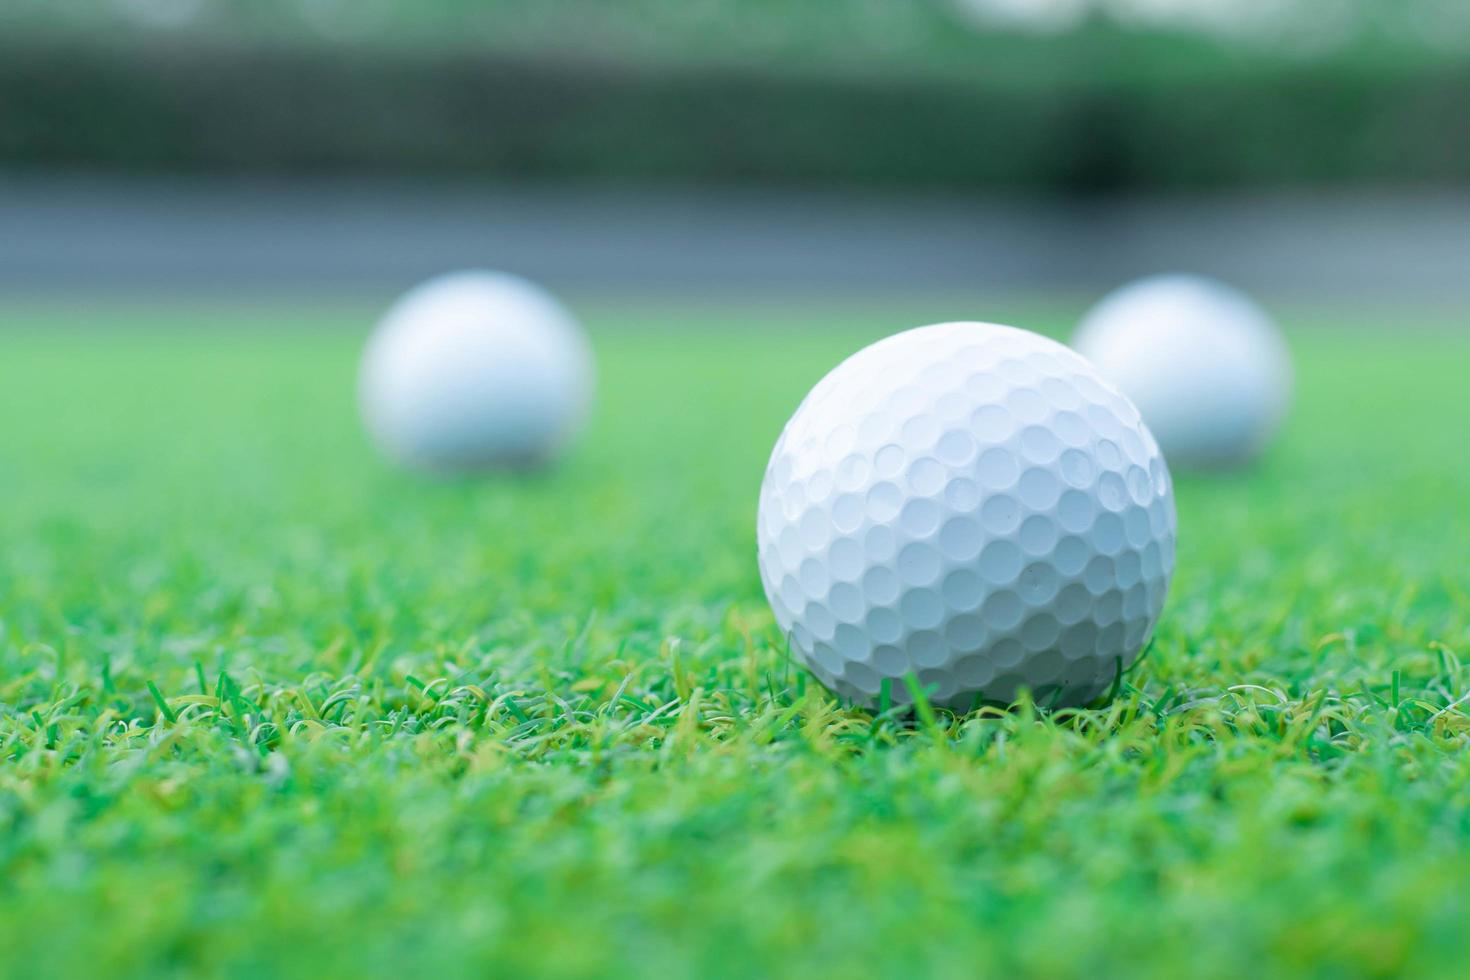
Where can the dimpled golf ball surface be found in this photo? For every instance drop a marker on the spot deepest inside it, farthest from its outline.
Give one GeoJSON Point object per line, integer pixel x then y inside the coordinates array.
{"type": "Point", "coordinates": [1204, 364]}
{"type": "Point", "coordinates": [970, 504]}
{"type": "Point", "coordinates": [473, 370]}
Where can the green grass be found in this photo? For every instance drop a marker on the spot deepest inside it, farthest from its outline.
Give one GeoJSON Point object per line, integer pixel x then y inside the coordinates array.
{"type": "Point", "coordinates": [269, 707]}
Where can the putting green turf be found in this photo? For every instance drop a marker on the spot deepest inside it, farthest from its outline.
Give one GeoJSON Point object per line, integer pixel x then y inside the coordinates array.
{"type": "Point", "coordinates": [268, 706]}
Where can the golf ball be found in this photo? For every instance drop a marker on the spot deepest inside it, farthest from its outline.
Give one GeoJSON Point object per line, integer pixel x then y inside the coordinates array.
{"type": "Point", "coordinates": [970, 504]}
{"type": "Point", "coordinates": [1203, 363]}
{"type": "Point", "coordinates": [473, 370]}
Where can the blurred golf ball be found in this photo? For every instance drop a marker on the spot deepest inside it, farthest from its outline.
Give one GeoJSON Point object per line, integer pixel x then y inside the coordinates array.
{"type": "Point", "coordinates": [971, 504]}
{"type": "Point", "coordinates": [1204, 364]}
{"type": "Point", "coordinates": [473, 370]}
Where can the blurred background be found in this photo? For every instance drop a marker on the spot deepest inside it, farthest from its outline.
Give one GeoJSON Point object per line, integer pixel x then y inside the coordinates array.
{"type": "Point", "coordinates": [1312, 147]}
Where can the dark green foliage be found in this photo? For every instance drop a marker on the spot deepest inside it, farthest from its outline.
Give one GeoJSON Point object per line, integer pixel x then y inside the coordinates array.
{"type": "Point", "coordinates": [1080, 114]}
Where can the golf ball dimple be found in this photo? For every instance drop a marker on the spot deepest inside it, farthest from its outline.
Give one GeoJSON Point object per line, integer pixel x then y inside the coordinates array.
{"type": "Point", "coordinates": [473, 370]}
{"type": "Point", "coordinates": [973, 506]}
{"type": "Point", "coordinates": [1205, 365]}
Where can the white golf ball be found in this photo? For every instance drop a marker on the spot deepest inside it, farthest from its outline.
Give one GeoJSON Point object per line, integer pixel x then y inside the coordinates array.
{"type": "Point", "coordinates": [473, 370]}
{"type": "Point", "coordinates": [973, 505]}
{"type": "Point", "coordinates": [1204, 364]}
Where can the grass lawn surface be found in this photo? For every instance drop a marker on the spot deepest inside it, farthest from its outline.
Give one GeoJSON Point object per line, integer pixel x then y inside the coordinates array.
{"type": "Point", "coordinates": [270, 707]}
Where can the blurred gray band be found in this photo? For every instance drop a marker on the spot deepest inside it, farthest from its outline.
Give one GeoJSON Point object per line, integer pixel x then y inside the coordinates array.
{"type": "Point", "coordinates": [372, 238]}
